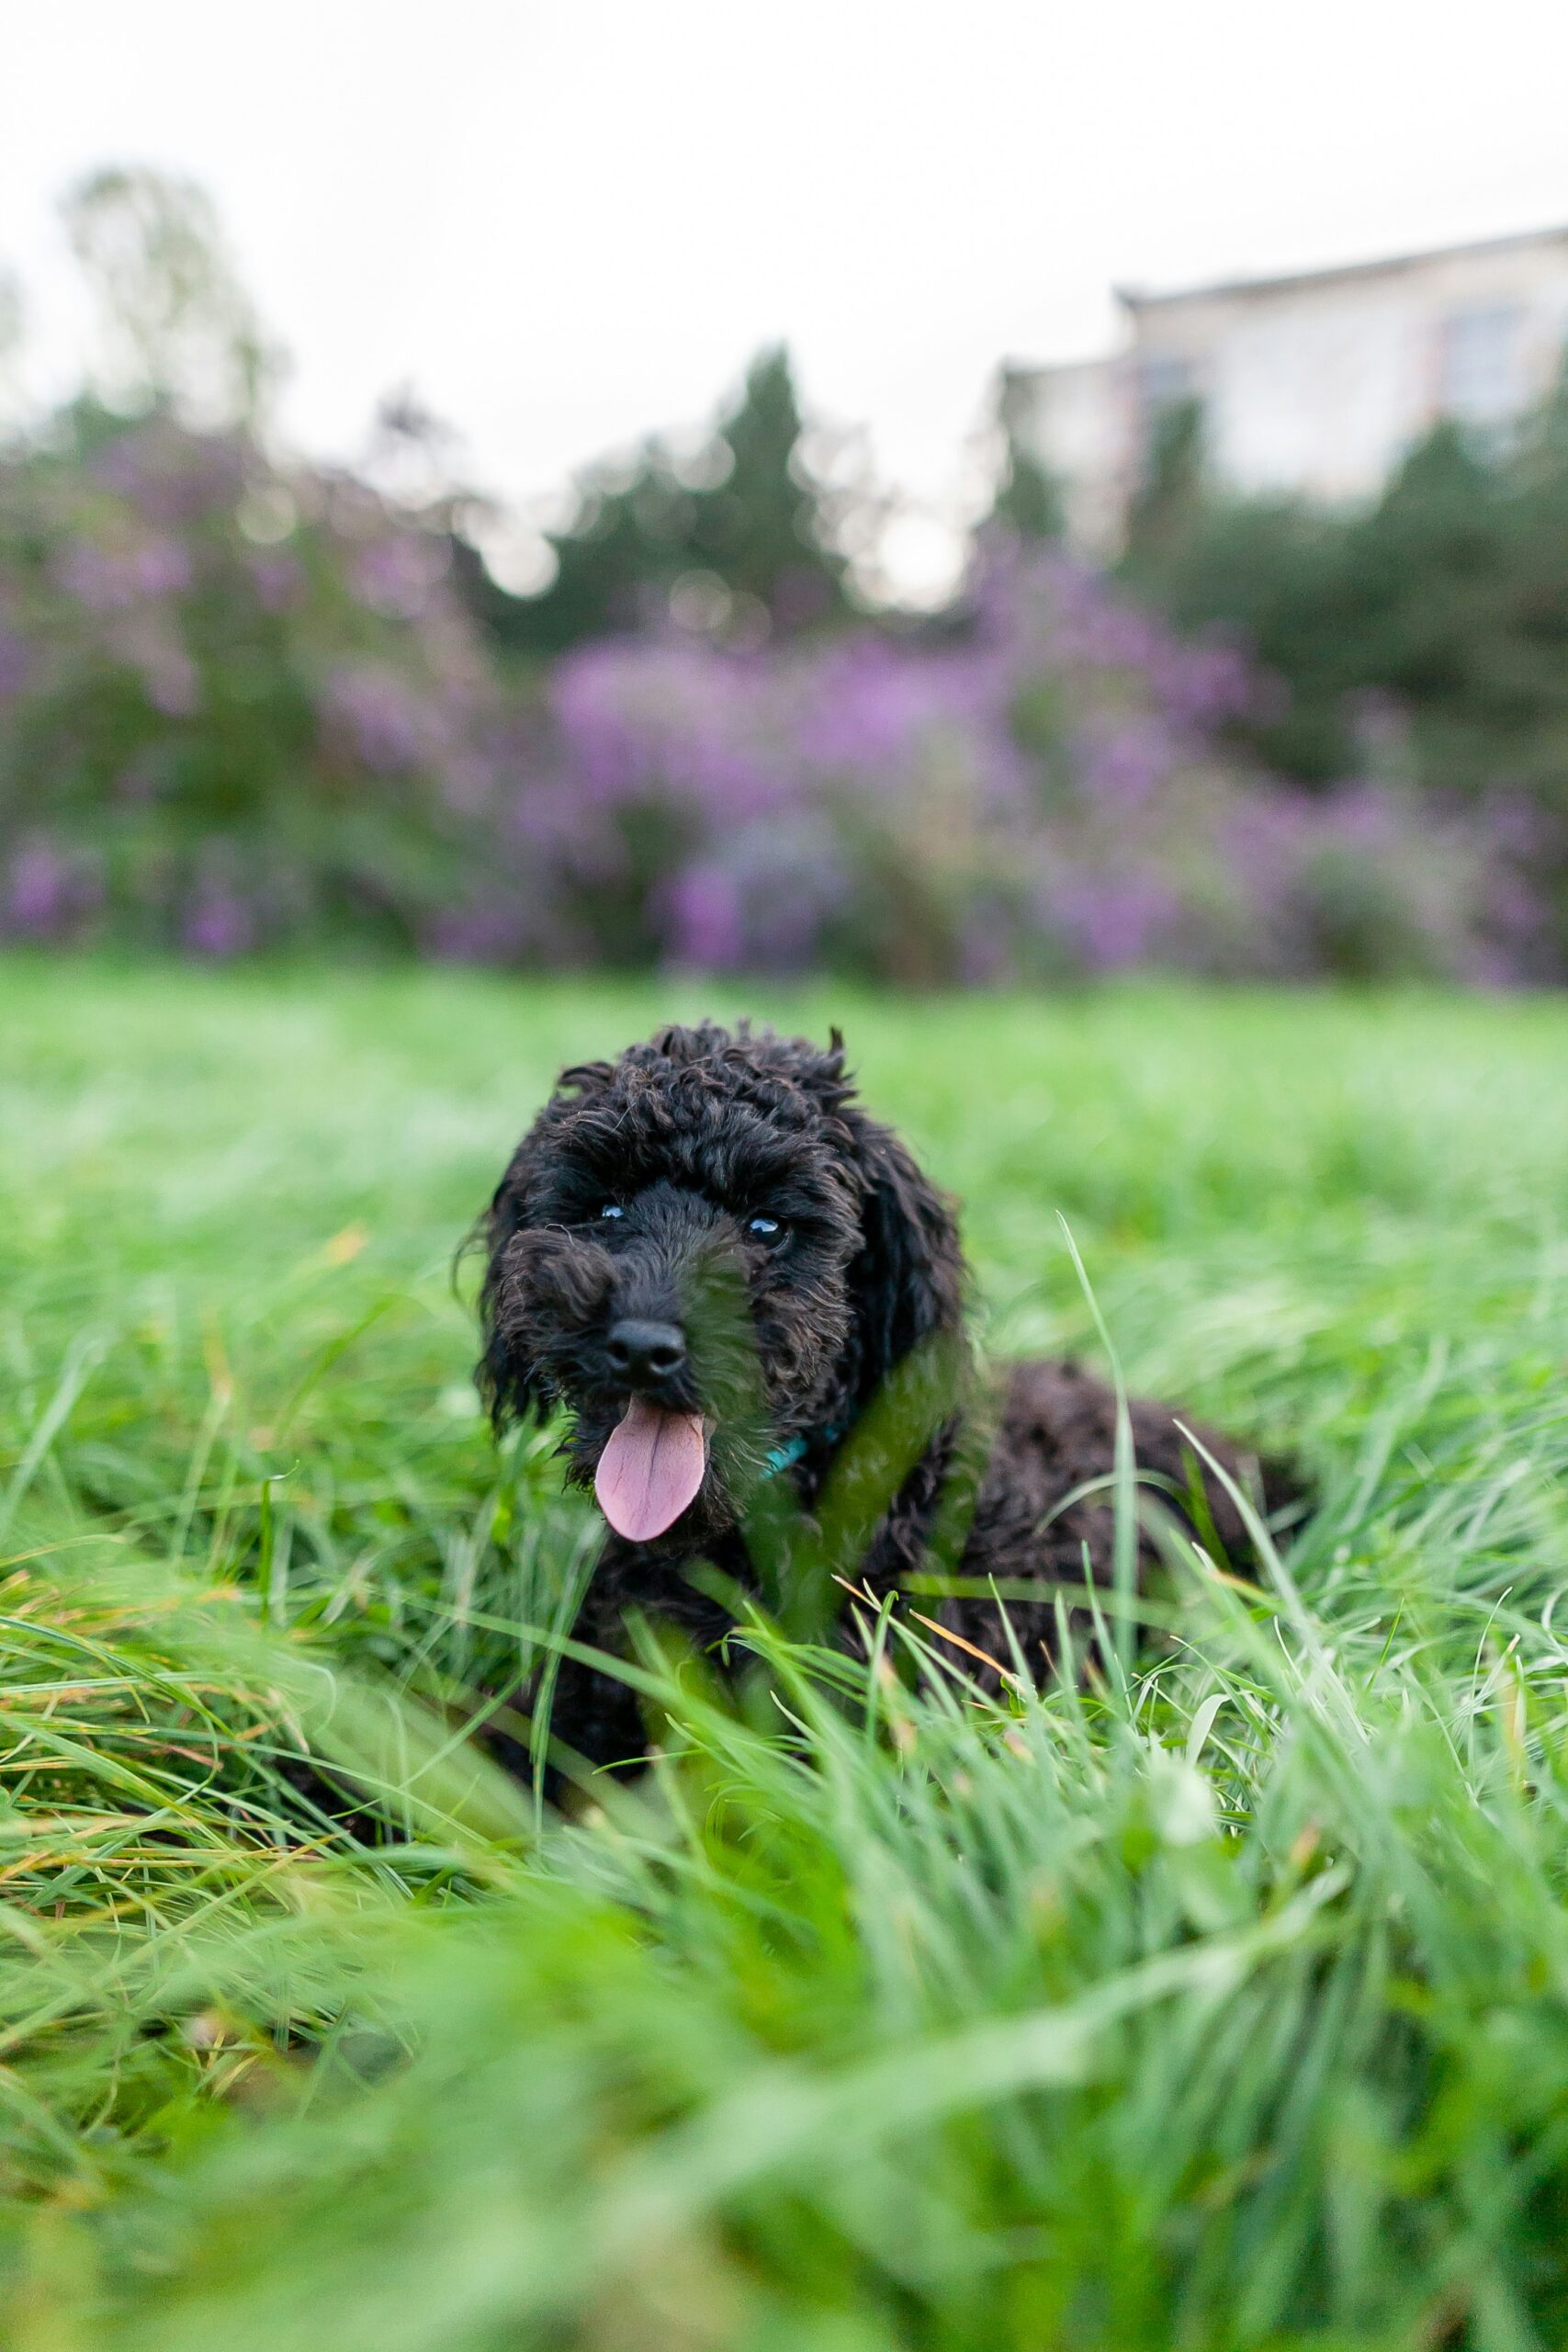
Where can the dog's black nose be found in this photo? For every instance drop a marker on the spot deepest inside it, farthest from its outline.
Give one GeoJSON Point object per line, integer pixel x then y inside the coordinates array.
{"type": "Point", "coordinates": [645, 1353]}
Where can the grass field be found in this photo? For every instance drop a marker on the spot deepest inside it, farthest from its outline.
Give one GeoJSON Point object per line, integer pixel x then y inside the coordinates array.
{"type": "Point", "coordinates": [1220, 2003]}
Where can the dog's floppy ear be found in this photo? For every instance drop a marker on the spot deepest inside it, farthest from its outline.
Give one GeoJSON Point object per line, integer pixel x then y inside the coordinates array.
{"type": "Point", "coordinates": [504, 1381]}
{"type": "Point", "coordinates": [908, 1278]}
{"type": "Point", "coordinates": [504, 1377]}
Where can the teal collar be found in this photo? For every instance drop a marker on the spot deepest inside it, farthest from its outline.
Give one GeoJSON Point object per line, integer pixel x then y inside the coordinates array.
{"type": "Point", "coordinates": [786, 1456]}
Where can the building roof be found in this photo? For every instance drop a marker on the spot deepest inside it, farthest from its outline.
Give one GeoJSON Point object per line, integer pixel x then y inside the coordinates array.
{"type": "Point", "coordinates": [1138, 297]}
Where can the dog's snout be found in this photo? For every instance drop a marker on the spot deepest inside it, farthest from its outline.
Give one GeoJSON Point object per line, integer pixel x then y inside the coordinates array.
{"type": "Point", "coordinates": [645, 1353]}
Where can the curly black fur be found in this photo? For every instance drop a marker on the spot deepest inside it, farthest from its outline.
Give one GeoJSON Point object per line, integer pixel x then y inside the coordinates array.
{"type": "Point", "coordinates": [692, 1136]}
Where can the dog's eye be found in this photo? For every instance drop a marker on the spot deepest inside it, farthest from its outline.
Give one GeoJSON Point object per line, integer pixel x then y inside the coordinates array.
{"type": "Point", "coordinates": [610, 1208]}
{"type": "Point", "coordinates": [767, 1230]}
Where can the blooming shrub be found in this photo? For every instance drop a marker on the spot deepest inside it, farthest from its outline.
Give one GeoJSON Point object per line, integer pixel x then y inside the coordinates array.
{"type": "Point", "coordinates": [243, 705]}
{"type": "Point", "coordinates": [236, 703]}
{"type": "Point", "coordinates": [1048, 790]}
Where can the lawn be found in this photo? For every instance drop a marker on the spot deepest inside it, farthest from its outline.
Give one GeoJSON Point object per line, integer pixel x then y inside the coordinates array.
{"type": "Point", "coordinates": [1213, 1997]}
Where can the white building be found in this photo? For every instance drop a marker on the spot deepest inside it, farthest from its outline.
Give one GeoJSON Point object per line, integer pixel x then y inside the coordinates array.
{"type": "Point", "coordinates": [1316, 384]}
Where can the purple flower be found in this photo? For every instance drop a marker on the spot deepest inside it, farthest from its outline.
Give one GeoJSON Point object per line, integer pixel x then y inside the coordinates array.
{"type": "Point", "coordinates": [383, 721]}
{"type": "Point", "coordinates": [172, 681]}
{"type": "Point", "coordinates": [218, 922]}
{"type": "Point", "coordinates": [46, 891]}
{"type": "Point", "coordinates": [1123, 762]}
{"type": "Point", "coordinates": [39, 895]}
{"type": "Point", "coordinates": [171, 476]}
{"type": "Point", "coordinates": [280, 581]}
{"type": "Point", "coordinates": [15, 663]}
{"type": "Point", "coordinates": [1111, 922]}
{"type": "Point", "coordinates": [400, 576]}
{"type": "Point", "coordinates": [104, 580]}
{"type": "Point", "coordinates": [704, 925]}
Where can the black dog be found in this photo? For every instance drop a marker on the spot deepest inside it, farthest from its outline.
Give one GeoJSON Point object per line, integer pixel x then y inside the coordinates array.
{"type": "Point", "coordinates": [711, 1256]}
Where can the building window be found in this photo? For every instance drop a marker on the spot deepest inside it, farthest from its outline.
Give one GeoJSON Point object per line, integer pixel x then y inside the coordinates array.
{"type": "Point", "coordinates": [1478, 365]}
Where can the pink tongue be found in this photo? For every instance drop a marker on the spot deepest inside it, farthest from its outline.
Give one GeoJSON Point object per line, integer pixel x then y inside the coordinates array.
{"type": "Point", "coordinates": [650, 1470]}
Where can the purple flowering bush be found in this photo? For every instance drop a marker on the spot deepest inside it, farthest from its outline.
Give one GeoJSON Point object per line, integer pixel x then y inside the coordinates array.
{"type": "Point", "coordinates": [242, 705]}
{"type": "Point", "coordinates": [1045, 789]}
{"type": "Point", "coordinates": [238, 703]}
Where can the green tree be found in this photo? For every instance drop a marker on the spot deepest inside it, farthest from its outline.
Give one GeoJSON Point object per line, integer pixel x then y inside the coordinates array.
{"type": "Point", "coordinates": [175, 325]}
{"type": "Point", "coordinates": [1028, 500]}
{"type": "Point", "coordinates": [1443, 603]}
{"type": "Point", "coordinates": [1277, 574]}
{"type": "Point", "coordinates": [1172, 492]}
{"type": "Point", "coordinates": [743, 514]}
{"type": "Point", "coordinates": [1029, 496]}
{"type": "Point", "coordinates": [760, 528]}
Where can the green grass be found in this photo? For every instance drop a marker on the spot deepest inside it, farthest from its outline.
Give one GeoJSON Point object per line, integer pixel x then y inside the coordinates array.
{"type": "Point", "coordinates": [1222, 2005]}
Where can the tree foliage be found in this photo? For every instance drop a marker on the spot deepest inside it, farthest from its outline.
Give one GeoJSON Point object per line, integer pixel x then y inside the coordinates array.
{"type": "Point", "coordinates": [1029, 496]}
{"type": "Point", "coordinates": [1435, 618]}
{"type": "Point", "coordinates": [175, 325]}
{"type": "Point", "coordinates": [740, 524]}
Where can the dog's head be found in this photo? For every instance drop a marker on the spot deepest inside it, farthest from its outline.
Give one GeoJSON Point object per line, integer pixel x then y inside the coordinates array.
{"type": "Point", "coordinates": [711, 1256]}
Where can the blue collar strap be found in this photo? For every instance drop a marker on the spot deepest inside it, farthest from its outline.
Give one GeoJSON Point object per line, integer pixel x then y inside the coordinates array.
{"type": "Point", "coordinates": [786, 1456]}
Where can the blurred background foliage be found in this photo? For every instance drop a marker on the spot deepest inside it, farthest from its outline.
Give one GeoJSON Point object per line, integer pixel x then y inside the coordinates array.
{"type": "Point", "coordinates": [1439, 615]}
{"type": "Point", "coordinates": [251, 701]}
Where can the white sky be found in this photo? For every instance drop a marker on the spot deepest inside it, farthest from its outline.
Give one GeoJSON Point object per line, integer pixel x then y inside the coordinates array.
{"type": "Point", "coordinates": [569, 224]}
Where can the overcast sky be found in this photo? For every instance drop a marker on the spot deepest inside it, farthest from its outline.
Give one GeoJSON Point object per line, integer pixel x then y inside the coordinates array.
{"type": "Point", "coordinates": [566, 224]}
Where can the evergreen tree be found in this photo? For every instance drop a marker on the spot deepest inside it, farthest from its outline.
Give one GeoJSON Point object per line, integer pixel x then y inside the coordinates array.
{"type": "Point", "coordinates": [1029, 496]}
{"type": "Point", "coordinates": [745, 513]}
{"type": "Point", "coordinates": [761, 529]}
{"type": "Point", "coordinates": [1445, 599]}
{"type": "Point", "coordinates": [1171, 494]}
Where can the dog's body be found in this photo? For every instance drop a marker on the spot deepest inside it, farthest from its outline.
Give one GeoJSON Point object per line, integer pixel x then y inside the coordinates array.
{"type": "Point", "coordinates": [713, 1257]}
